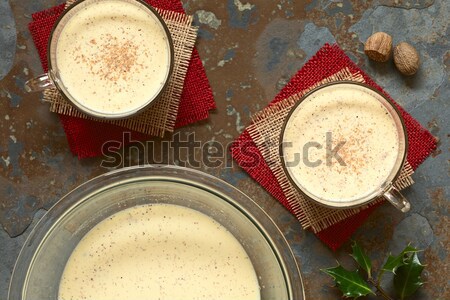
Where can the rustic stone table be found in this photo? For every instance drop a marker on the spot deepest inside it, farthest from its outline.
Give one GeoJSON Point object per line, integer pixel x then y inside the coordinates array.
{"type": "Point", "coordinates": [250, 50]}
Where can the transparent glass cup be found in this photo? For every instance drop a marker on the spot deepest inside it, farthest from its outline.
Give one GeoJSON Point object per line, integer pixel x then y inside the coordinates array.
{"type": "Point", "coordinates": [387, 189]}
{"type": "Point", "coordinates": [53, 79]}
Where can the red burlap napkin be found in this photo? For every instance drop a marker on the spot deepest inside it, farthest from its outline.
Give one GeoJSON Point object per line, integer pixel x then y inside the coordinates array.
{"type": "Point", "coordinates": [86, 137]}
{"type": "Point", "coordinates": [327, 61]}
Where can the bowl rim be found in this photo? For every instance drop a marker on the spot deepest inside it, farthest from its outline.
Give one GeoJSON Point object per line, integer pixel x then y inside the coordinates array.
{"type": "Point", "coordinates": [157, 172]}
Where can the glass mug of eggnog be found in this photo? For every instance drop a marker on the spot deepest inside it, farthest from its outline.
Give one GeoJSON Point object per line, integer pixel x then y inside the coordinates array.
{"type": "Point", "coordinates": [343, 145]}
{"type": "Point", "coordinates": [111, 59]}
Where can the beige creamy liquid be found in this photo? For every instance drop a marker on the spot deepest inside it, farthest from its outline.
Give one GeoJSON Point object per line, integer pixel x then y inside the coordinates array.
{"type": "Point", "coordinates": [371, 146]}
{"type": "Point", "coordinates": [159, 251]}
{"type": "Point", "coordinates": [113, 56]}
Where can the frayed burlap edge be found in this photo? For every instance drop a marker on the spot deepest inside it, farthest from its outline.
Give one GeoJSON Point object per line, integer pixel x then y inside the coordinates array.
{"type": "Point", "coordinates": [161, 116]}
{"type": "Point", "coordinates": [265, 131]}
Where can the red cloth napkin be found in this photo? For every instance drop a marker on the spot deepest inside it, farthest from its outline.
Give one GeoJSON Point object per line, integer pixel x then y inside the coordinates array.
{"type": "Point", "coordinates": [327, 61]}
{"type": "Point", "coordinates": [86, 137]}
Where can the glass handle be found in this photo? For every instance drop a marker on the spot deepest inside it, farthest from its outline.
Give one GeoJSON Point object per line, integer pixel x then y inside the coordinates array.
{"type": "Point", "coordinates": [396, 198]}
{"type": "Point", "coordinates": [39, 83]}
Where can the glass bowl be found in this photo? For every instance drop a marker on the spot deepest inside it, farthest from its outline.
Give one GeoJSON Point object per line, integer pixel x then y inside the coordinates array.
{"type": "Point", "coordinates": [42, 259]}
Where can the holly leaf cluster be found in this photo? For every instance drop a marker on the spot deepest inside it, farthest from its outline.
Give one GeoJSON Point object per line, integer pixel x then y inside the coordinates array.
{"type": "Point", "coordinates": [405, 267]}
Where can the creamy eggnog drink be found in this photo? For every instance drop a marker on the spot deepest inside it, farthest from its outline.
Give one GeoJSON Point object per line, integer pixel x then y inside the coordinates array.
{"type": "Point", "coordinates": [159, 251]}
{"type": "Point", "coordinates": [113, 56]}
{"type": "Point", "coordinates": [345, 143]}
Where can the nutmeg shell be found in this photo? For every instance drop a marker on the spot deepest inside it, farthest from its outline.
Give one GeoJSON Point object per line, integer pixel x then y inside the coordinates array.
{"type": "Point", "coordinates": [378, 46]}
{"type": "Point", "coordinates": [406, 58]}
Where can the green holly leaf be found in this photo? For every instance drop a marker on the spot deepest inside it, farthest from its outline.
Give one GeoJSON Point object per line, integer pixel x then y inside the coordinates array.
{"type": "Point", "coordinates": [350, 283]}
{"type": "Point", "coordinates": [407, 278]}
{"type": "Point", "coordinates": [361, 258]}
{"type": "Point", "coordinates": [394, 262]}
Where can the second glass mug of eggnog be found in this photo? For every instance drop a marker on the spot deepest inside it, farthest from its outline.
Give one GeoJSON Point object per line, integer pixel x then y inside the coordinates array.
{"type": "Point", "coordinates": [110, 59]}
{"type": "Point", "coordinates": [343, 145]}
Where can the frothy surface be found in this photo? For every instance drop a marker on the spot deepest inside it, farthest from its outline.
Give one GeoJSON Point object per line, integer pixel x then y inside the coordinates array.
{"type": "Point", "coordinates": [113, 56]}
{"type": "Point", "coordinates": [351, 115]}
{"type": "Point", "coordinates": [159, 251]}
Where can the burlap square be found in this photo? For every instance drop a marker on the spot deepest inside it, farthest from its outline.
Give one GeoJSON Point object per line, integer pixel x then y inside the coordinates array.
{"type": "Point", "coordinates": [265, 131]}
{"type": "Point", "coordinates": [161, 116]}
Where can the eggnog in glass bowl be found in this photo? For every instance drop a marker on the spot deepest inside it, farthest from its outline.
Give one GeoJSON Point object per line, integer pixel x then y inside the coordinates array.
{"type": "Point", "coordinates": [343, 145]}
{"type": "Point", "coordinates": [156, 232]}
{"type": "Point", "coordinates": [109, 58]}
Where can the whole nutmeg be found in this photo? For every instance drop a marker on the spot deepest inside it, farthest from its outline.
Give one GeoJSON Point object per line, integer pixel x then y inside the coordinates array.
{"type": "Point", "coordinates": [378, 46]}
{"type": "Point", "coordinates": [406, 58]}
